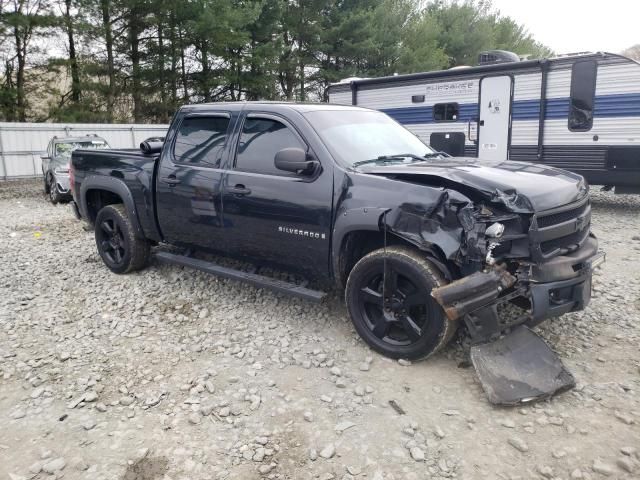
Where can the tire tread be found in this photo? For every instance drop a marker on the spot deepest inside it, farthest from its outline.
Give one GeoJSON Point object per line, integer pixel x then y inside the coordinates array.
{"type": "Point", "coordinates": [428, 269]}
{"type": "Point", "coordinates": [140, 248]}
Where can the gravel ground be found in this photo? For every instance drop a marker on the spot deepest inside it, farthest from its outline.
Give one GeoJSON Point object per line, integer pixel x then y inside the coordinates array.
{"type": "Point", "coordinates": [172, 374]}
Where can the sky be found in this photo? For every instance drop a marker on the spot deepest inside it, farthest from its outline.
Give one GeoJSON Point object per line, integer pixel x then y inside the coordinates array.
{"type": "Point", "coordinates": [568, 26]}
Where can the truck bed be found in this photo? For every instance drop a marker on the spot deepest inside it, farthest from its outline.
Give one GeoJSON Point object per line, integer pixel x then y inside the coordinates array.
{"type": "Point", "coordinates": [130, 170]}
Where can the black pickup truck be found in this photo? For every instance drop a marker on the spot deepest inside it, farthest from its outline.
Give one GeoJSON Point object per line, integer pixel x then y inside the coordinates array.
{"type": "Point", "coordinates": [418, 241]}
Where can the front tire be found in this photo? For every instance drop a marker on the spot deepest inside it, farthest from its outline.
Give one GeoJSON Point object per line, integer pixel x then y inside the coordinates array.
{"type": "Point", "coordinates": [119, 247]}
{"type": "Point", "coordinates": [411, 324]}
{"type": "Point", "coordinates": [54, 195]}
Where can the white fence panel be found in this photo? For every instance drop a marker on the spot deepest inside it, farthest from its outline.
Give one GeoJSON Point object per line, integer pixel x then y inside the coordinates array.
{"type": "Point", "coordinates": [22, 144]}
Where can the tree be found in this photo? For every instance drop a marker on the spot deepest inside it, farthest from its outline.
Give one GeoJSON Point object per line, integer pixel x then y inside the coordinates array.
{"type": "Point", "coordinates": [24, 19]}
{"type": "Point", "coordinates": [508, 35]}
{"type": "Point", "coordinates": [633, 52]}
{"type": "Point", "coordinates": [420, 48]}
{"type": "Point", "coordinates": [69, 27]}
{"type": "Point", "coordinates": [140, 59]}
{"type": "Point", "coordinates": [468, 28]}
{"type": "Point", "coordinates": [464, 30]}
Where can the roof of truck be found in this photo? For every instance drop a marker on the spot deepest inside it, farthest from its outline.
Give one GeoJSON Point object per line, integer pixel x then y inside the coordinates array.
{"type": "Point", "coordinates": [273, 106]}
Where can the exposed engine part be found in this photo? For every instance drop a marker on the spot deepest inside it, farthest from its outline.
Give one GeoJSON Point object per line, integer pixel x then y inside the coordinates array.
{"type": "Point", "coordinates": [489, 258]}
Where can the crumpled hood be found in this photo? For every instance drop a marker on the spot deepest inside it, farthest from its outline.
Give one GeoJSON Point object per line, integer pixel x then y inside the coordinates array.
{"type": "Point", "coordinates": [521, 186]}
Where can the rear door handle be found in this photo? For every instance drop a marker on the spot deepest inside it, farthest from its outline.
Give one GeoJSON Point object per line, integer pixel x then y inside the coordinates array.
{"type": "Point", "coordinates": [171, 180]}
{"type": "Point", "coordinates": [239, 190]}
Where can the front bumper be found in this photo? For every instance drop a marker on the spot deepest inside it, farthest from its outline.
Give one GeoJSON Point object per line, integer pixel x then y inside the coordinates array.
{"type": "Point", "coordinates": [63, 183]}
{"type": "Point", "coordinates": [548, 289]}
{"type": "Point", "coordinates": [556, 297]}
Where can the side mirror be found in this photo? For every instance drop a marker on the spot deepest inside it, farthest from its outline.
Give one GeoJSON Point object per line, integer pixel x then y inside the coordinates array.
{"type": "Point", "coordinates": [294, 160]}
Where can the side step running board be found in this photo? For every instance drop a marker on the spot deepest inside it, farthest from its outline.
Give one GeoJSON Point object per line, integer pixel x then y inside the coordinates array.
{"type": "Point", "coordinates": [252, 278]}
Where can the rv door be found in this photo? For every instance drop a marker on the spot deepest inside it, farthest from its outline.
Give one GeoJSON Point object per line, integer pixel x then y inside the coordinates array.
{"type": "Point", "coordinates": [495, 117]}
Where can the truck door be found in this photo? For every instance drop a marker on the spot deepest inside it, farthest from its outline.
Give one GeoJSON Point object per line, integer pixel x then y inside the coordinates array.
{"type": "Point", "coordinates": [281, 217]}
{"type": "Point", "coordinates": [495, 117]}
{"type": "Point", "coordinates": [189, 181]}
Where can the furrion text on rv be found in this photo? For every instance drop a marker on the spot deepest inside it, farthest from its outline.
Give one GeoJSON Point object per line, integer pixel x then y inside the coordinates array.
{"type": "Point", "coordinates": [580, 112]}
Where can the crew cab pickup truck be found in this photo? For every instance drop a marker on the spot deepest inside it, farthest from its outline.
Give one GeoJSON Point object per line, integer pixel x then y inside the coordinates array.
{"type": "Point", "coordinates": [419, 242]}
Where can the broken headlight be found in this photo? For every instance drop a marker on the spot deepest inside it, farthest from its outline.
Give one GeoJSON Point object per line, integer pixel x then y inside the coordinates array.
{"type": "Point", "coordinates": [495, 230]}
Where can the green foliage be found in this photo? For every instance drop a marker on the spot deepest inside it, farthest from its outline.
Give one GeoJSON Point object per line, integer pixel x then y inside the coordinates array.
{"type": "Point", "coordinates": [140, 59]}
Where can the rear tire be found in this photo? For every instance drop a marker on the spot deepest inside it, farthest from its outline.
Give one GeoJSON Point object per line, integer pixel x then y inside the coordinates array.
{"type": "Point", "coordinates": [414, 326]}
{"type": "Point", "coordinates": [119, 247]}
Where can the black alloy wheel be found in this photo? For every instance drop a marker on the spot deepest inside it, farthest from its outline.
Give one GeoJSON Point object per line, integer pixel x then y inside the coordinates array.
{"type": "Point", "coordinates": [112, 241]}
{"type": "Point", "coordinates": [121, 250]}
{"type": "Point", "coordinates": [391, 307]}
{"type": "Point", "coordinates": [396, 312]}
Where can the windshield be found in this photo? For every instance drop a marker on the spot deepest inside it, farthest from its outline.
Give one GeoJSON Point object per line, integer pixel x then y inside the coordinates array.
{"type": "Point", "coordinates": [359, 136]}
{"type": "Point", "coordinates": [65, 149]}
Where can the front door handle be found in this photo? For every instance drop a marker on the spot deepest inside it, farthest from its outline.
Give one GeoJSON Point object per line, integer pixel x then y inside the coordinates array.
{"type": "Point", "coordinates": [239, 190]}
{"type": "Point", "coordinates": [482, 123]}
{"type": "Point", "coordinates": [171, 180]}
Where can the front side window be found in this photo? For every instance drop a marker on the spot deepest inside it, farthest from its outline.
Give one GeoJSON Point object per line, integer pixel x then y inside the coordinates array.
{"type": "Point", "coordinates": [583, 91]}
{"type": "Point", "coordinates": [445, 112]}
{"type": "Point", "coordinates": [260, 140]}
{"type": "Point", "coordinates": [200, 141]}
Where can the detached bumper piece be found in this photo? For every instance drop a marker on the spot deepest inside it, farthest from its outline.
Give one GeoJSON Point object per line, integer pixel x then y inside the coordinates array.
{"type": "Point", "coordinates": [470, 293]}
{"type": "Point", "coordinates": [520, 368]}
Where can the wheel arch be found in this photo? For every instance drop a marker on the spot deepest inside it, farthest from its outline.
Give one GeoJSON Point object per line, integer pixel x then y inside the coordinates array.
{"type": "Point", "coordinates": [358, 233]}
{"type": "Point", "coordinates": [97, 192]}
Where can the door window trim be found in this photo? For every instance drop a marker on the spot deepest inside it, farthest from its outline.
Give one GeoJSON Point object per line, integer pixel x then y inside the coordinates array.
{"type": "Point", "coordinates": [218, 114]}
{"type": "Point", "coordinates": [286, 123]}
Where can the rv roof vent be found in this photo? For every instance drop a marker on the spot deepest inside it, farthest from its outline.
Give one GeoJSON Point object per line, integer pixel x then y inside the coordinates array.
{"type": "Point", "coordinates": [492, 57]}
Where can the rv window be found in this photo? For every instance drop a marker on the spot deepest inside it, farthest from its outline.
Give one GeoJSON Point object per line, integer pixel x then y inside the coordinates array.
{"type": "Point", "coordinates": [445, 112]}
{"type": "Point", "coordinates": [583, 90]}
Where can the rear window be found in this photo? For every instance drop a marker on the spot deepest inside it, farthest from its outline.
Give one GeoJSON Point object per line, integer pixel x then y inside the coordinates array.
{"type": "Point", "coordinates": [64, 149]}
{"type": "Point", "coordinates": [201, 140]}
{"type": "Point", "coordinates": [583, 92]}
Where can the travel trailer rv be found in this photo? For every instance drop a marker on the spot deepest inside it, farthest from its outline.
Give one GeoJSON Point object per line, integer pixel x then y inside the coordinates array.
{"type": "Point", "coordinates": [579, 112]}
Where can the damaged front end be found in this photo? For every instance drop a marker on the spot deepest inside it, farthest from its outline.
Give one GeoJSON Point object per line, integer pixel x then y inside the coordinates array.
{"type": "Point", "coordinates": [515, 268]}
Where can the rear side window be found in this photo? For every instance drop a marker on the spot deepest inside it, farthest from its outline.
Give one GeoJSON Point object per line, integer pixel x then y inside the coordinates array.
{"type": "Point", "coordinates": [445, 112]}
{"type": "Point", "coordinates": [583, 91]}
{"type": "Point", "coordinates": [200, 141]}
{"type": "Point", "coordinates": [260, 140]}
